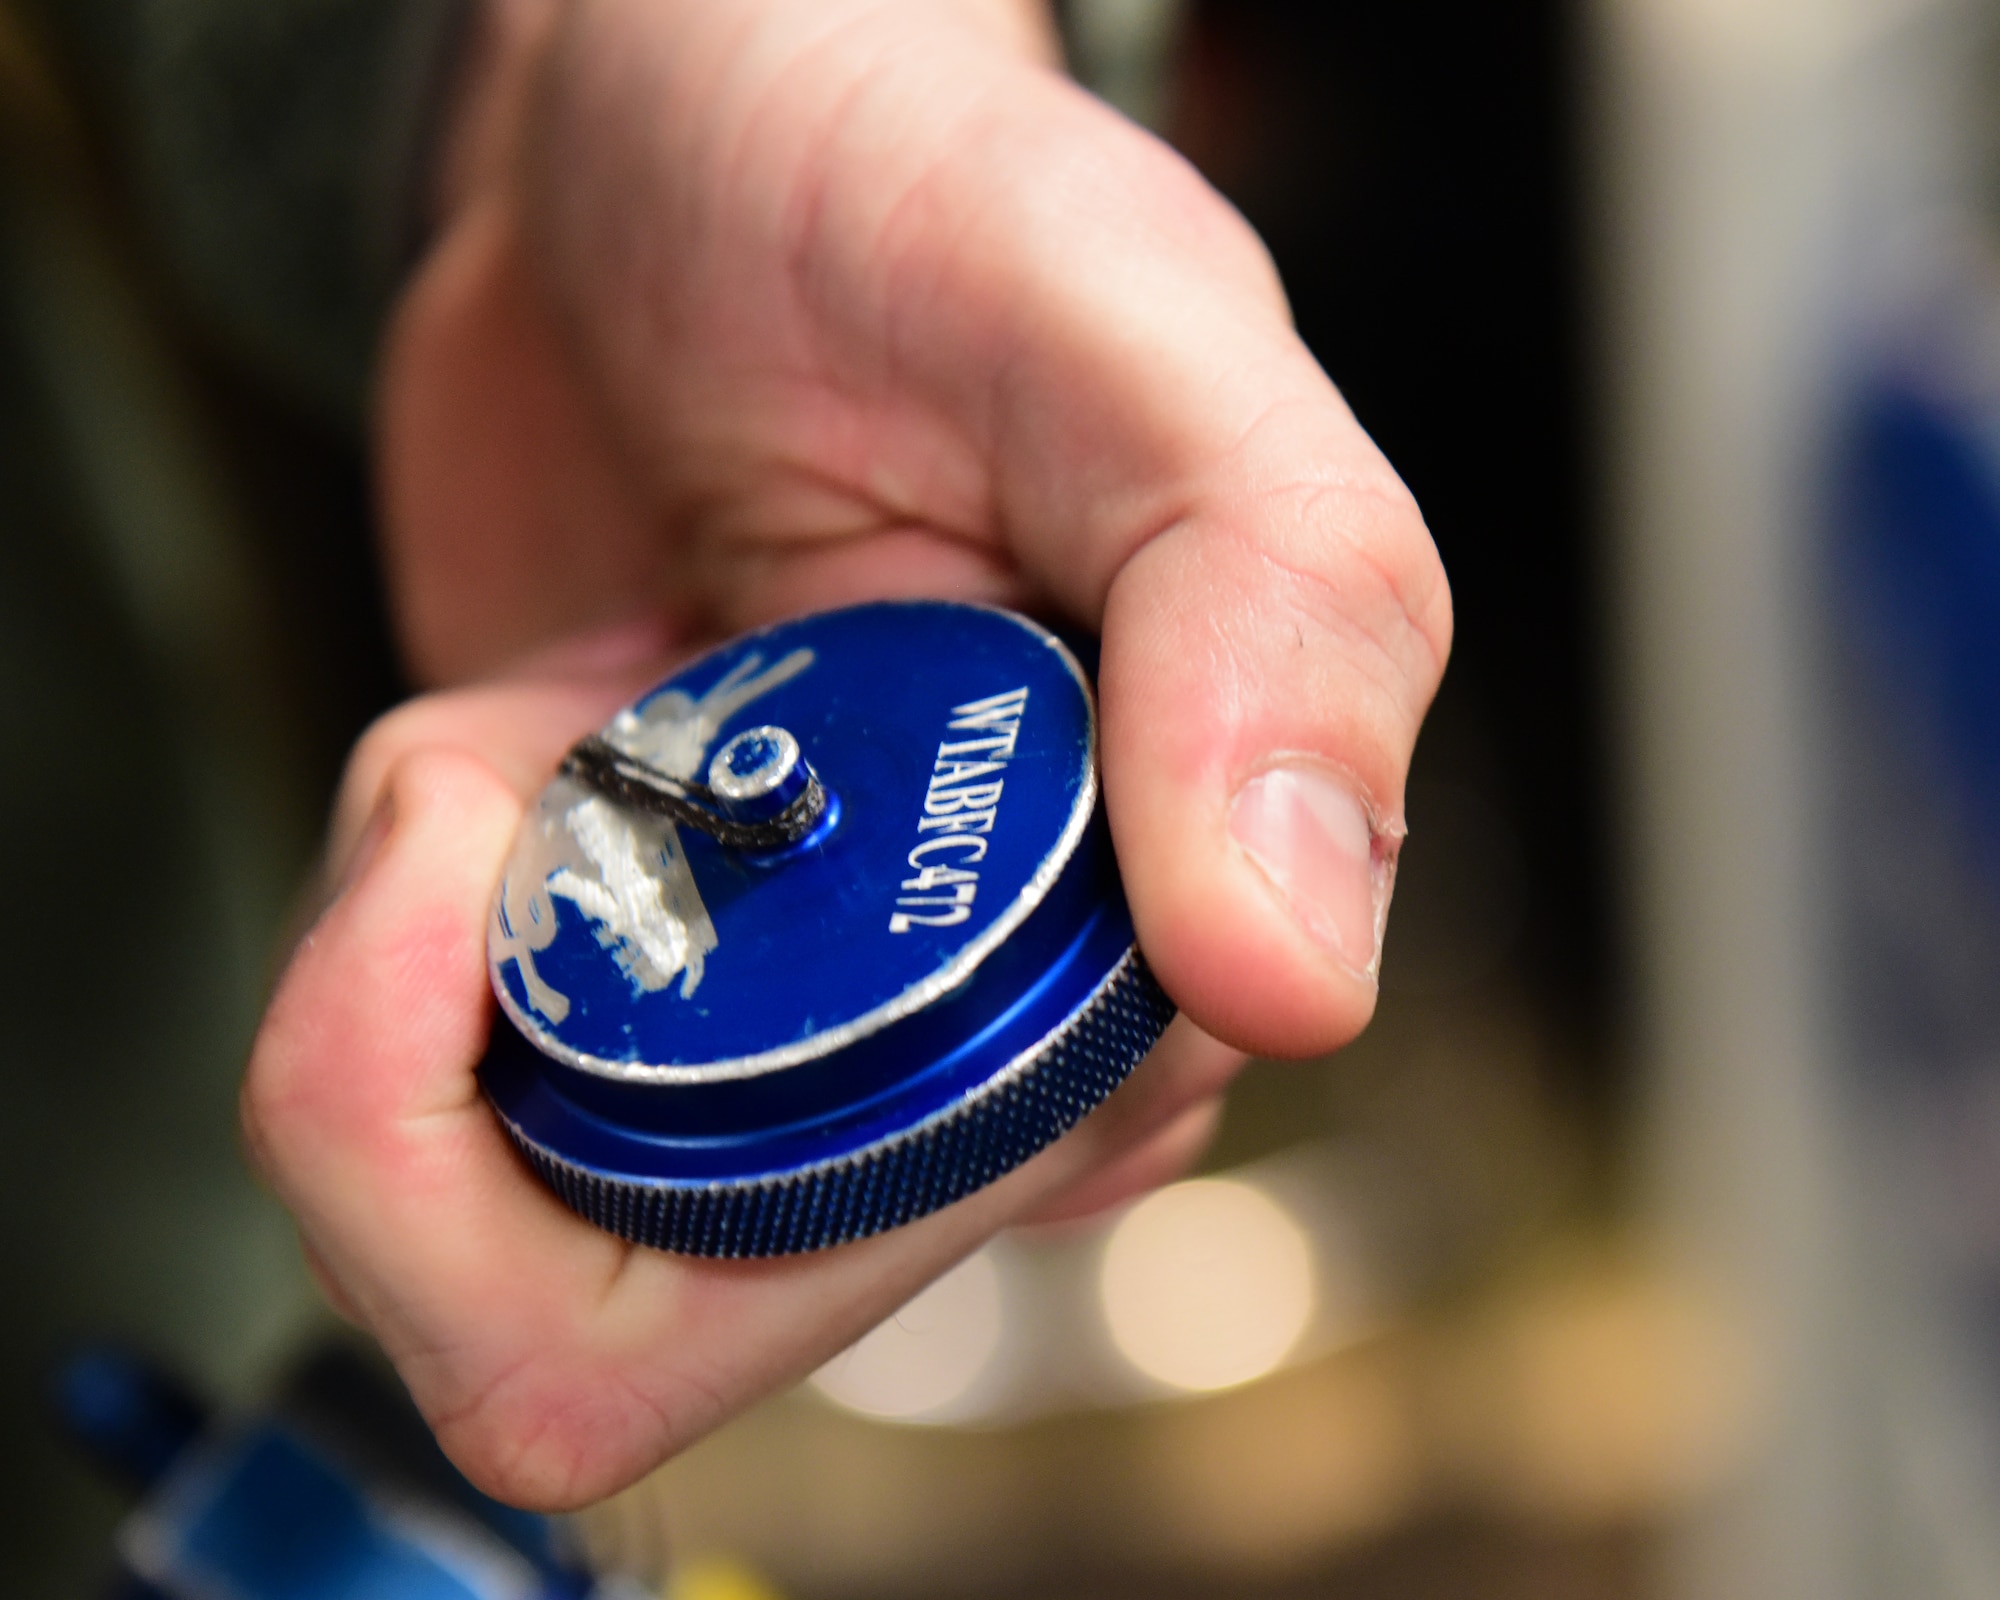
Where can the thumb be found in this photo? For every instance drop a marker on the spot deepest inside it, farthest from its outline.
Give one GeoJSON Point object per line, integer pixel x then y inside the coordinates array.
{"type": "Point", "coordinates": [1268, 659]}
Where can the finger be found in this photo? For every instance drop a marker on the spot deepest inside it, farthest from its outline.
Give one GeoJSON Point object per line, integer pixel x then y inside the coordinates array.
{"type": "Point", "coordinates": [1170, 460]}
{"type": "Point", "coordinates": [1268, 661]}
{"type": "Point", "coordinates": [555, 1362]}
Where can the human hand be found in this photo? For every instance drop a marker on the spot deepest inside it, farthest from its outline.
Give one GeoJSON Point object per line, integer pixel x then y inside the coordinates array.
{"type": "Point", "coordinates": [744, 310]}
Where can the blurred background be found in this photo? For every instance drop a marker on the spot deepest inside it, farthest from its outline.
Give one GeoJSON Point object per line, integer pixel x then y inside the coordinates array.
{"type": "Point", "coordinates": [1647, 1245]}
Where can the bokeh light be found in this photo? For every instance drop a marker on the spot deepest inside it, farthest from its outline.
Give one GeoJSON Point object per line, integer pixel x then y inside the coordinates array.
{"type": "Point", "coordinates": [1206, 1284]}
{"type": "Point", "coordinates": [924, 1362]}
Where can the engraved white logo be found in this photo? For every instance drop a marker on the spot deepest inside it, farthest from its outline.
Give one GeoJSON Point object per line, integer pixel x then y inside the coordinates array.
{"type": "Point", "coordinates": [624, 871]}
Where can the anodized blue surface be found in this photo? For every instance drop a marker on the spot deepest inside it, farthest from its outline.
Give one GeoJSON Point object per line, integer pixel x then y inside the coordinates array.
{"type": "Point", "coordinates": [954, 737]}
{"type": "Point", "coordinates": [779, 953]}
{"type": "Point", "coordinates": [879, 1087]}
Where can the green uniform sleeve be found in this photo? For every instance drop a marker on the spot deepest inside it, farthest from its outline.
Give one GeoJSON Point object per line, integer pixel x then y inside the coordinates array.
{"type": "Point", "coordinates": [277, 151]}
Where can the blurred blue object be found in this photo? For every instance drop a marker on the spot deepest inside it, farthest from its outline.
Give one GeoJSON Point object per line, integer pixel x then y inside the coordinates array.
{"type": "Point", "coordinates": [335, 1492]}
{"type": "Point", "coordinates": [1918, 521]}
{"type": "Point", "coordinates": [129, 1416]}
{"type": "Point", "coordinates": [1912, 870]}
{"type": "Point", "coordinates": [261, 1512]}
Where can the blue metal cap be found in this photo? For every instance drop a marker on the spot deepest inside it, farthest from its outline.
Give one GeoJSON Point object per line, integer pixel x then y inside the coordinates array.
{"type": "Point", "coordinates": [819, 936]}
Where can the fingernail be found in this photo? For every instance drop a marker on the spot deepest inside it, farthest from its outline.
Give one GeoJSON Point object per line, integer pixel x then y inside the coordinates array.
{"type": "Point", "coordinates": [1309, 832]}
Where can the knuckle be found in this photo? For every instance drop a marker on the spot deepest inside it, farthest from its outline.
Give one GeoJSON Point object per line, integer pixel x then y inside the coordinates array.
{"type": "Point", "coordinates": [322, 1060]}
{"type": "Point", "coordinates": [275, 1101]}
{"type": "Point", "coordinates": [253, 1118]}
{"type": "Point", "coordinates": [1359, 561]}
{"type": "Point", "coordinates": [268, 1103]}
{"type": "Point", "coordinates": [546, 1437]}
